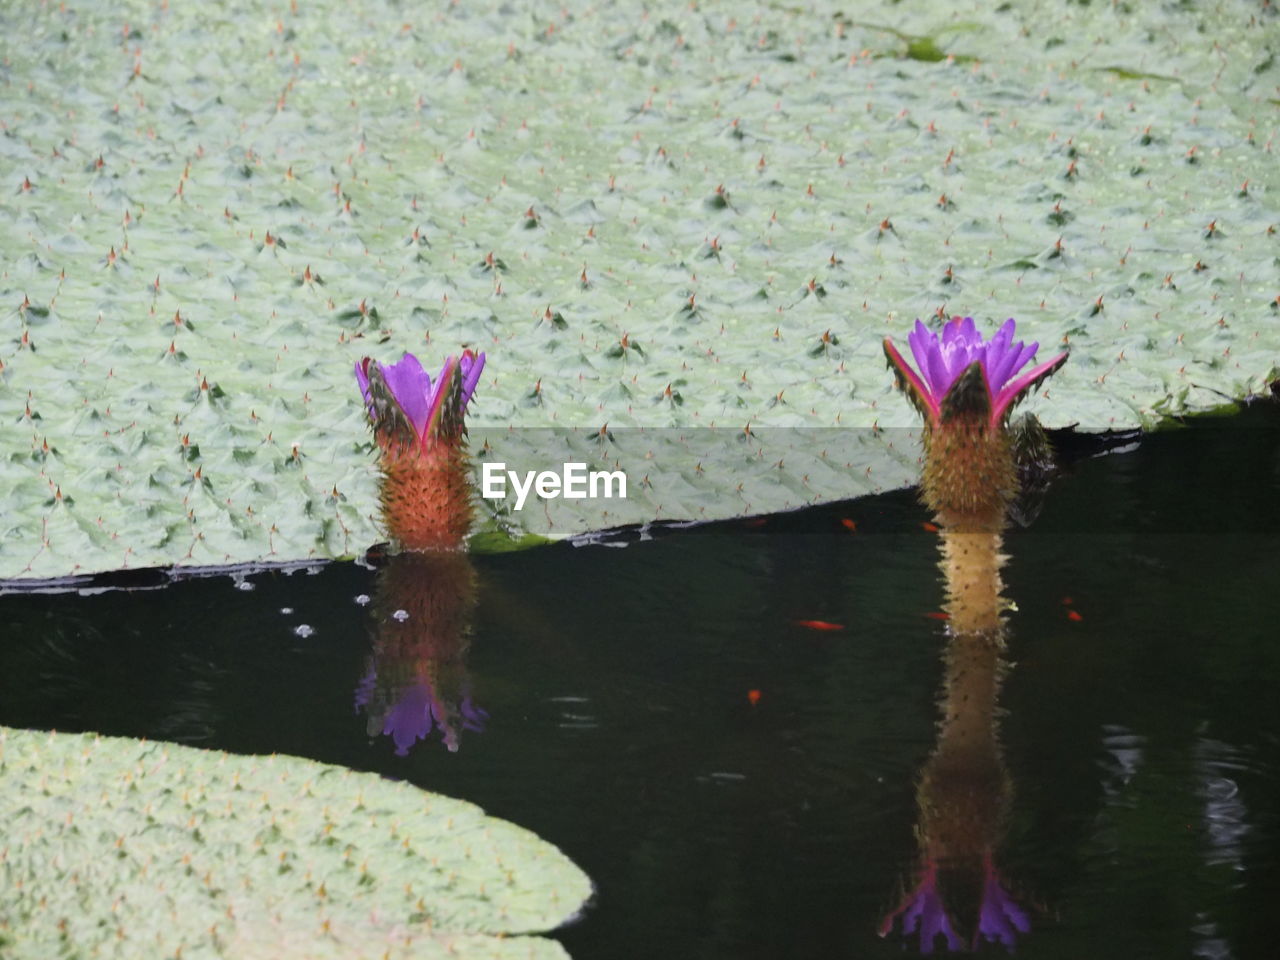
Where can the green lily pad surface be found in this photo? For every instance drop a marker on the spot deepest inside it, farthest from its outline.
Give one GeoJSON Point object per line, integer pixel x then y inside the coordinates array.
{"type": "Point", "coordinates": [113, 847]}
{"type": "Point", "coordinates": [664, 218]}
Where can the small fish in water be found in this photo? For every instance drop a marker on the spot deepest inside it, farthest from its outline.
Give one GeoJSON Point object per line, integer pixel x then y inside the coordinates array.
{"type": "Point", "coordinates": [849, 525]}
{"type": "Point", "coordinates": [938, 615]}
{"type": "Point", "coordinates": [1073, 616]}
{"type": "Point", "coordinates": [753, 696]}
{"type": "Point", "coordinates": [930, 527]}
{"type": "Point", "coordinates": [819, 625]}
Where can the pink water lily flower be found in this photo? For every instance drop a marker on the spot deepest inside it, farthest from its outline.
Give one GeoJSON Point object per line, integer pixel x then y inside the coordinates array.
{"type": "Point", "coordinates": [422, 403]}
{"type": "Point", "coordinates": [943, 359]}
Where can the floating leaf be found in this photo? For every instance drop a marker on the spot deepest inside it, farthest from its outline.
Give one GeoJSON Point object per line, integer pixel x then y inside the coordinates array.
{"type": "Point", "coordinates": [123, 848]}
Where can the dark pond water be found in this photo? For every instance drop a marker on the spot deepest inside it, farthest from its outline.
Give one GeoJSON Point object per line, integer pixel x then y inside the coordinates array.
{"type": "Point", "coordinates": [738, 776]}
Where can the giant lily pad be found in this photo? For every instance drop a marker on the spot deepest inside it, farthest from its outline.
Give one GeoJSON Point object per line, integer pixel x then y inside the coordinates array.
{"type": "Point", "coordinates": [660, 218]}
{"type": "Point", "coordinates": [113, 847]}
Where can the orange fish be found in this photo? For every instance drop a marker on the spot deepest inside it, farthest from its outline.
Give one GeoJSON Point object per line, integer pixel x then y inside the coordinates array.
{"type": "Point", "coordinates": [849, 525]}
{"type": "Point", "coordinates": [753, 696]}
{"type": "Point", "coordinates": [938, 616]}
{"type": "Point", "coordinates": [931, 527]}
{"type": "Point", "coordinates": [1074, 616]}
{"type": "Point", "coordinates": [819, 625]}
{"type": "Point", "coordinates": [755, 522]}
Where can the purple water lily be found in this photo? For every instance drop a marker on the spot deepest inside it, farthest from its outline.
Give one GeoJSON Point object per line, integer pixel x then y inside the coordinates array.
{"type": "Point", "coordinates": [419, 400]}
{"type": "Point", "coordinates": [942, 360]}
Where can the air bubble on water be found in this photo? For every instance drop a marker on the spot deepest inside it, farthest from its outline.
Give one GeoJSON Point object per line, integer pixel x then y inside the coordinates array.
{"type": "Point", "coordinates": [362, 599]}
{"type": "Point", "coordinates": [286, 610]}
{"type": "Point", "coordinates": [303, 630]}
{"type": "Point", "coordinates": [244, 585]}
{"type": "Point", "coordinates": [401, 615]}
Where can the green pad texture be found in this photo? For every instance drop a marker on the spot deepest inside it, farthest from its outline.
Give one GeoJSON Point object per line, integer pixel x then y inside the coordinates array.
{"type": "Point", "coordinates": [119, 848]}
{"type": "Point", "coordinates": [665, 216]}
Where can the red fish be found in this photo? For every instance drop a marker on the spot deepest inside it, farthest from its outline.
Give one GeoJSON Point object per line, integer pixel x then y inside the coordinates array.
{"type": "Point", "coordinates": [849, 525]}
{"type": "Point", "coordinates": [819, 625]}
{"type": "Point", "coordinates": [753, 696]}
{"type": "Point", "coordinates": [930, 527]}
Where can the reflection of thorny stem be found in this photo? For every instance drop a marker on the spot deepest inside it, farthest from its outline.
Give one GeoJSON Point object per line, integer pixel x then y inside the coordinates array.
{"type": "Point", "coordinates": [964, 790]}
{"type": "Point", "coordinates": [964, 787]}
{"type": "Point", "coordinates": [417, 678]}
{"type": "Point", "coordinates": [971, 571]}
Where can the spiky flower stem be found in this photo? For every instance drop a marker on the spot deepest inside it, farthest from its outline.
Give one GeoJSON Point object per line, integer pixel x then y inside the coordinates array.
{"type": "Point", "coordinates": [425, 493]}
{"type": "Point", "coordinates": [964, 792]}
{"type": "Point", "coordinates": [969, 473]}
{"type": "Point", "coordinates": [420, 429]}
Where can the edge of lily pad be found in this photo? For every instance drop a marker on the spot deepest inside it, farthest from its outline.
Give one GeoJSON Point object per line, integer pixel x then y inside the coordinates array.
{"type": "Point", "coordinates": [491, 540]}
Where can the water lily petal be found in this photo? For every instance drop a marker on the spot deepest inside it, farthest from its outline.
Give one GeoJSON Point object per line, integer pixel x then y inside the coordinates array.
{"type": "Point", "coordinates": [1025, 356]}
{"type": "Point", "coordinates": [922, 344]}
{"type": "Point", "coordinates": [472, 364]}
{"type": "Point", "coordinates": [961, 345]}
{"type": "Point", "coordinates": [997, 350]}
{"type": "Point", "coordinates": [923, 394]}
{"type": "Point", "coordinates": [1010, 394]}
{"type": "Point", "coordinates": [362, 378]}
{"type": "Point", "coordinates": [411, 387]}
{"type": "Point", "coordinates": [939, 370]}
{"type": "Point", "coordinates": [1005, 358]}
{"type": "Point", "coordinates": [960, 331]}
{"type": "Point", "coordinates": [943, 358]}
{"type": "Point", "coordinates": [444, 386]}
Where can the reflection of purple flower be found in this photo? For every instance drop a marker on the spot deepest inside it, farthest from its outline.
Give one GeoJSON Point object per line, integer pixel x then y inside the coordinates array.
{"type": "Point", "coordinates": [409, 720]}
{"type": "Point", "coordinates": [411, 388]}
{"type": "Point", "coordinates": [942, 359]}
{"type": "Point", "coordinates": [1001, 916]}
{"type": "Point", "coordinates": [417, 711]}
{"type": "Point", "coordinates": [924, 911]}
{"type": "Point", "coordinates": [473, 717]}
{"type": "Point", "coordinates": [364, 689]}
